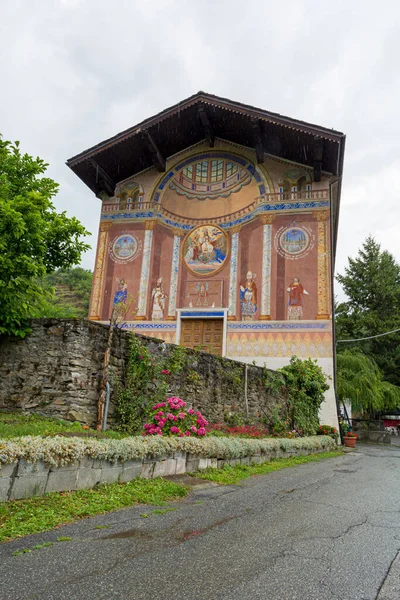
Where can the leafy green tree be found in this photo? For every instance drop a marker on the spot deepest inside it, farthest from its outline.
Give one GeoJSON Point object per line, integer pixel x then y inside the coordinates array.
{"type": "Point", "coordinates": [371, 282]}
{"type": "Point", "coordinates": [34, 239]}
{"type": "Point", "coordinates": [360, 381]}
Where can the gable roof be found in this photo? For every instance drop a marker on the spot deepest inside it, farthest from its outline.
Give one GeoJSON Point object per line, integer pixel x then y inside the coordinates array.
{"type": "Point", "coordinates": [205, 116]}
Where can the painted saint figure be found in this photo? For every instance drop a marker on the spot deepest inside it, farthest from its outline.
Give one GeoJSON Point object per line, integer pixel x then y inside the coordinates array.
{"type": "Point", "coordinates": [158, 295]}
{"type": "Point", "coordinates": [295, 300]}
{"type": "Point", "coordinates": [121, 295]}
{"type": "Point", "coordinates": [248, 297]}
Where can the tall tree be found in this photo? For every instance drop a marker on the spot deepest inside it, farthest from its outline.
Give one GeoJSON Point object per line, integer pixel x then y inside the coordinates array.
{"type": "Point", "coordinates": [34, 239]}
{"type": "Point", "coordinates": [371, 282]}
{"type": "Point", "coordinates": [360, 381]}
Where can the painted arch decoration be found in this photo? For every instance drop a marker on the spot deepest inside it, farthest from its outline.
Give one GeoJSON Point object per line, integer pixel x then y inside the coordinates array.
{"type": "Point", "coordinates": [210, 175]}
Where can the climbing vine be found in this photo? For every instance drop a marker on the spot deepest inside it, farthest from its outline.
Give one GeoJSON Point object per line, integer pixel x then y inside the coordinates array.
{"type": "Point", "coordinates": [145, 384]}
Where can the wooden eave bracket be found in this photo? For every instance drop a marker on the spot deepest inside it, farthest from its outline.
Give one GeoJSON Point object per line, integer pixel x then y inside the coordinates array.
{"type": "Point", "coordinates": [104, 183]}
{"type": "Point", "coordinates": [205, 121]}
{"type": "Point", "coordinates": [157, 157]}
{"type": "Point", "coordinates": [318, 154]}
{"type": "Point", "coordinates": [255, 123]}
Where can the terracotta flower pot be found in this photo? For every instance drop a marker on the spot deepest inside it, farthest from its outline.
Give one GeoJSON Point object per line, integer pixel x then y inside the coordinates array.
{"type": "Point", "coordinates": [350, 442]}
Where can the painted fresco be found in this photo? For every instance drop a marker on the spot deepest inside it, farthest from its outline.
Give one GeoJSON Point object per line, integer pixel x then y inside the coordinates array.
{"type": "Point", "coordinates": [124, 248]}
{"type": "Point", "coordinates": [204, 293]}
{"type": "Point", "coordinates": [205, 250]}
{"type": "Point", "coordinates": [248, 297]}
{"type": "Point", "coordinates": [295, 291]}
{"type": "Point", "coordinates": [158, 301]}
{"type": "Point", "coordinates": [121, 293]}
{"type": "Point", "coordinates": [210, 236]}
{"type": "Point", "coordinates": [294, 242]}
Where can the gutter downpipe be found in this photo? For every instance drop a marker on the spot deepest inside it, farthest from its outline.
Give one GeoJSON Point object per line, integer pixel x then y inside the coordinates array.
{"type": "Point", "coordinates": [333, 256]}
{"type": "Point", "coordinates": [108, 390]}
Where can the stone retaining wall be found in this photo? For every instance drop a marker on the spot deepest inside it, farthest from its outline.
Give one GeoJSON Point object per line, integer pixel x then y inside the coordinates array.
{"type": "Point", "coordinates": [25, 480]}
{"type": "Point", "coordinates": [373, 437]}
{"type": "Point", "coordinates": [55, 372]}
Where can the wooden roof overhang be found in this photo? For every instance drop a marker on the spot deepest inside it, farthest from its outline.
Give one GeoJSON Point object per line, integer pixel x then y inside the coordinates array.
{"type": "Point", "coordinates": [205, 116]}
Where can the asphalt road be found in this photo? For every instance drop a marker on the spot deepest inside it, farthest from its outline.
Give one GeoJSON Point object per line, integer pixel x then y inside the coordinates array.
{"type": "Point", "coordinates": [327, 530]}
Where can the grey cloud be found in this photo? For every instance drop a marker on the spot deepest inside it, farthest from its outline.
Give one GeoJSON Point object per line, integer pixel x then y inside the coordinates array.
{"type": "Point", "coordinates": [75, 72]}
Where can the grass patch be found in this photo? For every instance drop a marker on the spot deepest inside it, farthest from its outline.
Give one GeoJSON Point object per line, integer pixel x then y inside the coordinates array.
{"type": "Point", "coordinates": [18, 425]}
{"type": "Point", "coordinates": [234, 475]}
{"type": "Point", "coordinates": [33, 515]}
{"type": "Point", "coordinates": [162, 511]}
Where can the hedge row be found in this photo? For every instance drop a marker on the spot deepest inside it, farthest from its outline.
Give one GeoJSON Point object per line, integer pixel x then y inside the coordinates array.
{"type": "Point", "coordinates": [60, 451]}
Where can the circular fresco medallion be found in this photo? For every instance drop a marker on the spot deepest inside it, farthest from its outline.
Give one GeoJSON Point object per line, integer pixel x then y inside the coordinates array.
{"type": "Point", "coordinates": [205, 250]}
{"type": "Point", "coordinates": [124, 248]}
{"type": "Point", "coordinates": [294, 242]}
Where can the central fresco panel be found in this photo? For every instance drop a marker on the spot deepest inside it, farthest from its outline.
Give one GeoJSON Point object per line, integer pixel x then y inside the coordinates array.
{"type": "Point", "coordinates": [205, 250]}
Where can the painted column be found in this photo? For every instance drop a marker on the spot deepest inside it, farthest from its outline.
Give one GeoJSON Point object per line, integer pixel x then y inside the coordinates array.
{"type": "Point", "coordinates": [323, 265]}
{"type": "Point", "coordinates": [173, 287]}
{"type": "Point", "coordinates": [233, 284]}
{"type": "Point", "coordinates": [98, 276]}
{"type": "Point", "coordinates": [266, 267]}
{"type": "Point", "coordinates": [145, 273]}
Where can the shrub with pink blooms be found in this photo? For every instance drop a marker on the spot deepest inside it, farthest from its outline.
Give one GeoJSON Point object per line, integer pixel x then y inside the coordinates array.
{"type": "Point", "coordinates": [173, 418]}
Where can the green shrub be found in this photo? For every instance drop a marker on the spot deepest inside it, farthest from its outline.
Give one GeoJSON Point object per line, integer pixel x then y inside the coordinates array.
{"type": "Point", "coordinates": [305, 384]}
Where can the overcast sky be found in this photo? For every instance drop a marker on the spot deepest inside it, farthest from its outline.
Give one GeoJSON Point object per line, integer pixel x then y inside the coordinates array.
{"type": "Point", "coordinates": [74, 72]}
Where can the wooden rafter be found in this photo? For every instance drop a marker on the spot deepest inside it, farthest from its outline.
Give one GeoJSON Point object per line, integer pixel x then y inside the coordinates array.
{"type": "Point", "coordinates": [104, 182]}
{"type": "Point", "coordinates": [258, 144]}
{"type": "Point", "coordinates": [318, 154]}
{"type": "Point", "coordinates": [205, 121]}
{"type": "Point", "coordinates": [157, 157]}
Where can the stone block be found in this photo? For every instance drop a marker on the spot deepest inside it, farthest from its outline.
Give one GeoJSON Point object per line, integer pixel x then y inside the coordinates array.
{"type": "Point", "coordinates": [179, 455]}
{"type": "Point", "coordinates": [26, 469]}
{"type": "Point", "coordinates": [71, 467]}
{"type": "Point", "coordinates": [255, 460]}
{"type": "Point", "coordinates": [86, 463]}
{"type": "Point", "coordinates": [8, 470]}
{"type": "Point", "coordinates": [192, 465]}
{"type": "Point", "coordinates": [111, 475]}
{"type": "Point", "coordinates": [159, 468]}
{"type": "Point", "coordinates": [77, 415]}
{"type": "Point", "coordinates": [87, 478]}
{"type": "Point", "coordinates": [244, 460]}
{"type": "Point", "coordinates": [132, 470]}
{"type": "Point", "coordinates": [147, 470]}
{"type": "Point", "coordinates": [204, 463]}
{"type": "Point", "coordinates": [170, 466]}
{"type": "Point", "coordinates": [5, 485]}
{"type": "Point", "coordinates": [62, 481]}
{"type": "Point", "coordinates": [28, 486]}
{"type": "Point", "coordinates": [213, 463]}
{"type": "Point", "coordinates": [221, 463]}
{"type": "Point", "coordinates": [181, 466]}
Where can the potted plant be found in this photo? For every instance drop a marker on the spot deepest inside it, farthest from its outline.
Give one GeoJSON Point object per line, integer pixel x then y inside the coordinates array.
{"type": "Point", "coordinates": [350, 439]}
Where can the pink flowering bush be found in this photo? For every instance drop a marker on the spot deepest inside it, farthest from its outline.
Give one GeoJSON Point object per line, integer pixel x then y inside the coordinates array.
{"type": "Point", "coordinates": [172, 418]}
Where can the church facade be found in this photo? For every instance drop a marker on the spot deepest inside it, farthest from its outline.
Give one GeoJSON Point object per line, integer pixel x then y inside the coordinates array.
{"type": "Point", "coordinates": [218, 231]}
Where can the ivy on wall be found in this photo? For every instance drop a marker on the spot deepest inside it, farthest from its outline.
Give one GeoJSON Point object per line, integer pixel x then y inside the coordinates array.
{"type": "Point", "coordinates": [294, 393]}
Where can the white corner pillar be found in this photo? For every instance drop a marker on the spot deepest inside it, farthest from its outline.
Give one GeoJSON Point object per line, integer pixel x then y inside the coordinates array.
{"type": "Point", "coordinates": [233, 274]}
{"type": "Point", "coordinates": [145, 272]}
{"type": "Point", "coordinates": [265, 314]}
{"type": "Point", "coordinates": [173, 286]}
